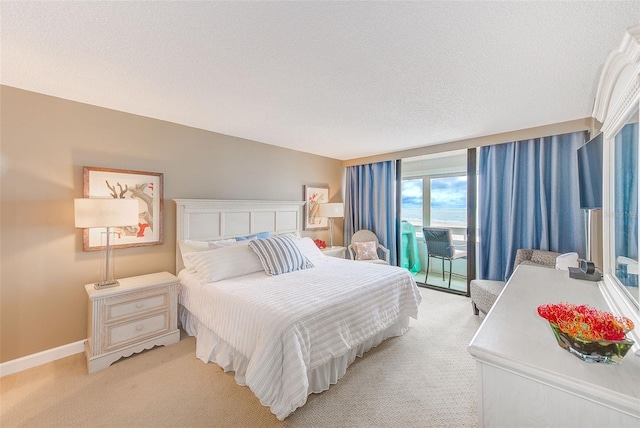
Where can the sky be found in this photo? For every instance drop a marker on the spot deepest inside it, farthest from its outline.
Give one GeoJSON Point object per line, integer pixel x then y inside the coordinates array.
{"type": "Point", "coordinates": [446, 192]}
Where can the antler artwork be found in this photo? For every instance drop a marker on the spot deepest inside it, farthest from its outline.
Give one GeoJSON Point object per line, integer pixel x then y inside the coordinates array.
{"type": "Point", "coordinates": [137, 192]}
{"type": "Point", "coordinates": [147, 215]}
{"type": "Point", "coordinates": [113, 190]}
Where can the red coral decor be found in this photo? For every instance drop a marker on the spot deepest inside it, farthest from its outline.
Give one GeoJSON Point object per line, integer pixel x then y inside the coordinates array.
{"type": "Point", "coordinates": [320, 243]}
{"type": "Point", "coordinates": [590, 334]}
{"type": "Point", "coordinates": [585, 322]}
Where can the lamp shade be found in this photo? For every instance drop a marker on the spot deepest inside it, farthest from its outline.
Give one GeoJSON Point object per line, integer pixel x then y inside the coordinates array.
{"type": "Point", "coordinates": [331, 210]}
{"type": "Point", "coordinates": [98, 212]}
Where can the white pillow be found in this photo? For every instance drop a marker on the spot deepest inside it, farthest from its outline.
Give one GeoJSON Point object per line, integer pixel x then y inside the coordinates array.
{"type": "Point", "coordinates": [222, 243]}
{"type": "Point", "coordinates": [188, 246]}
{"type": "Point", "coordinates": [309, 249]}
{"type": "Point", "coordinates": [227, 262]}
{"type": "Point", "coordinates": [367, 250]}
{"type": "Point", "coordinates": [567, 260]}
{"type": "Point", "coordinates": [279, 255]}
{"type": "Point", "coordinates": [244, 240]}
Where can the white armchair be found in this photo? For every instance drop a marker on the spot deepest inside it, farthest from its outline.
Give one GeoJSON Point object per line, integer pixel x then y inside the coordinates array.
{"type": "Point", "coordinates": [366, 247]}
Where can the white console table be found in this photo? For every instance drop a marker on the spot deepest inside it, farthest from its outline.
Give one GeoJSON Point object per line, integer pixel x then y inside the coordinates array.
{"type": "Point", "coordinates": [526, 379]}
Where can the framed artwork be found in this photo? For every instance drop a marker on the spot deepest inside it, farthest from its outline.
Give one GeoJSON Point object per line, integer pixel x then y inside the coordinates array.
{"type": "Point", "coordinates": [146, 187]}
{"type": "Point", "coordinates": [313, 196]}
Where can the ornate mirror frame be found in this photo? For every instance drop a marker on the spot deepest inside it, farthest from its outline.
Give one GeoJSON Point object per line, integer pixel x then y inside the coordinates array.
{"type": "Point", "coordinates": [617, 101]}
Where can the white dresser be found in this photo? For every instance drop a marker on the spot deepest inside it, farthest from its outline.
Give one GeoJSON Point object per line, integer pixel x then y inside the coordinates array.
{"type": "Point", "coordinates": [136, 315]}
{"type": "Point", "coordinates": [526, 380]}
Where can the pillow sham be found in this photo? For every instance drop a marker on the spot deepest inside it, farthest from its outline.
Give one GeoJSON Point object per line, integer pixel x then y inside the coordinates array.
{"type": "Point", "coordinates": [279, 255]}
{"type": "Point", "coordinates": [224, 243]}
{"type": "Point", "coordinates": [226, 262]}
{"type": "Point", "coordinates": [309, 249]}
{"type": "Point", "coordinates": [239, 240]}
{"type": "Point", "coordinates": [260, 235]}
{"type": "Point", "coordinates": [188, 246]}
{"type": "Point", "coordinates": [366, 250]}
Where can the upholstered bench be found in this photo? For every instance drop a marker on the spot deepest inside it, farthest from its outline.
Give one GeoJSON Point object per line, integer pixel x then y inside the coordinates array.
{"type": "Point", "coordinates": [484, 292]}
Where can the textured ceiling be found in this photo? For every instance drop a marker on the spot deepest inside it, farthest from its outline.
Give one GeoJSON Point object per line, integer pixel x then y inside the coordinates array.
{"type": "Point", "coordinates": [339, 79]}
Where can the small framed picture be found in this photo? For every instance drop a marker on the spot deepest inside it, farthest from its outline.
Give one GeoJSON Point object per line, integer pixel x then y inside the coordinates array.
{"type": "Point", "coordinates": [314, 196]}
{"type": "Point", "coordinates": [145, 187]}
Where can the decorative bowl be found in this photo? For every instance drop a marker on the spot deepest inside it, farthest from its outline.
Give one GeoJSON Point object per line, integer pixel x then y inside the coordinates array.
{"type": "Point", "coordinates": [593, 351]}
{"type": "Point", "coordinates": [590, 334]}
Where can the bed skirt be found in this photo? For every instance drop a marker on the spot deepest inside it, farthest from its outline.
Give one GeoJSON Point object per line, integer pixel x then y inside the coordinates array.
{"type": "Point", "coordinates": [210, 348]}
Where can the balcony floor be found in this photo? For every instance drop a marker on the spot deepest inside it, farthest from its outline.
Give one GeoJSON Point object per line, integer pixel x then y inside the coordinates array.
{"type": "Point", "coordinates": [458, 282]}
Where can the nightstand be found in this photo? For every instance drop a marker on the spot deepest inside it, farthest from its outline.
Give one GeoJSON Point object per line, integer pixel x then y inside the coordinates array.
{"type": "Point", "coordinates": [142, 312]}
{"type": "Point", "coordinates": [338, 252]}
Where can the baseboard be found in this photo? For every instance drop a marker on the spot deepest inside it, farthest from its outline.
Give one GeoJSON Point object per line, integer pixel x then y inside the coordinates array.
{"type": "Point", "coordinates": [34, 360]}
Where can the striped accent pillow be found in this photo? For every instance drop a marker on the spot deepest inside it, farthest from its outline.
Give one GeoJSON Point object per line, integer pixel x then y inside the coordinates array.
{"type": "Point", "coordinates": [279, 255]}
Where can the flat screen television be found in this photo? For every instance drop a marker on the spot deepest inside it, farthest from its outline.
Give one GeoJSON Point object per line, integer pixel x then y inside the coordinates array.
{"type": "Point", "coordinates": [590, 174]}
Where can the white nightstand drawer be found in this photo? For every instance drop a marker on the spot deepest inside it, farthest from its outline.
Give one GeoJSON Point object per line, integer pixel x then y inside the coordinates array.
{"type": "Point", "coordinates": [120, 334]}
{"type": "Point", "coordinates": [129, 306]}
{"type": "Point", "coordinates": [138, 314]}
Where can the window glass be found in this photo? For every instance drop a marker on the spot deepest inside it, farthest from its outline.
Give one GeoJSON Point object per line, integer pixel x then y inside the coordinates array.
{"type": "Point", "coordinates": [412, 201]}
{"type": "Point", "coordinates": [434, 193]}
{"type": "Point", "coordinates": [449, 201]}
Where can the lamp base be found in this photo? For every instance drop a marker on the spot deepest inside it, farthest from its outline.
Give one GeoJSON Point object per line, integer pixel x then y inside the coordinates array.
{"type": "Point", "coordinates": [106, 284]}
{"type": "Point", "coordinates": [331, 232]}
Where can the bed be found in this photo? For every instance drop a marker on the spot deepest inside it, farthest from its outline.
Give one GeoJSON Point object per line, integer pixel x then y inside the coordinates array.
{"type": "Point", "coordinates": [269, 306]}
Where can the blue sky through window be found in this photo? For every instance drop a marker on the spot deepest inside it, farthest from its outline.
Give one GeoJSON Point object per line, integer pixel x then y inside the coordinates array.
{"type": "Point", "coordinates": [412, 193]}
{"type": "Point", "coordinates": [449, 192]}
{"type": "Point", "coordinates": [448, 200]}
{"type": "Point", "coordinates": [446, 192]}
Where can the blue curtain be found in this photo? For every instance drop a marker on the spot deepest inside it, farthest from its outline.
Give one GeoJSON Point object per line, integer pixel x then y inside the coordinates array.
{"type": "Point", "coordinates": [626, 191]}
{"type": "Point", "coordinates": [370, 203]}
{"type": "Point", "coordinates": [528, 197]}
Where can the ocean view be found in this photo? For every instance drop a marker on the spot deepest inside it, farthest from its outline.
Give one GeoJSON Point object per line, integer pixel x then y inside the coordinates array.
{"type": "Point", "coordinates": [455, 217]}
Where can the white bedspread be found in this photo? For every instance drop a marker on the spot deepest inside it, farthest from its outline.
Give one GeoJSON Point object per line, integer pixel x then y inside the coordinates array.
{"type": "Point", "coordinates": [289, 324]}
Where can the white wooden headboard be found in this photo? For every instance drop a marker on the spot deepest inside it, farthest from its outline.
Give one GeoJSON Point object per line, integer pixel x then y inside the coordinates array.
{"type": "Point", "coordinates": [211, 219]}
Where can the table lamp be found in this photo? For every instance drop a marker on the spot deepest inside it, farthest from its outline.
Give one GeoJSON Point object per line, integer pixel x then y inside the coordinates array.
{"type": "Point", "coordinates": [331, 210]}
{"type": "Point", "coordinates": [109, 213]}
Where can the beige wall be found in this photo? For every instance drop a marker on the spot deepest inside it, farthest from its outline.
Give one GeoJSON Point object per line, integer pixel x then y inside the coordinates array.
{"type": "Point", "coordinates": [44, 144]}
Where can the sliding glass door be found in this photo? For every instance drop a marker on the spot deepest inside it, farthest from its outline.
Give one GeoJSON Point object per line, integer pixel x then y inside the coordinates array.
{"type": "Point", "coordinates": [434, 220]}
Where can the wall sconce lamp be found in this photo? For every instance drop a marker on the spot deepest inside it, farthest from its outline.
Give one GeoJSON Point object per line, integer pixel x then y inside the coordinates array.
{"type": "Point", "coordinates": [109, 213]}
{"type": "Point", "coordinates": [331, 210]}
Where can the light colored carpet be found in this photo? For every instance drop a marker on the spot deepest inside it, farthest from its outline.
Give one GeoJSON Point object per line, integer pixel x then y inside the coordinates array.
{"type": "Point", "coordinates": [425, 378]}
